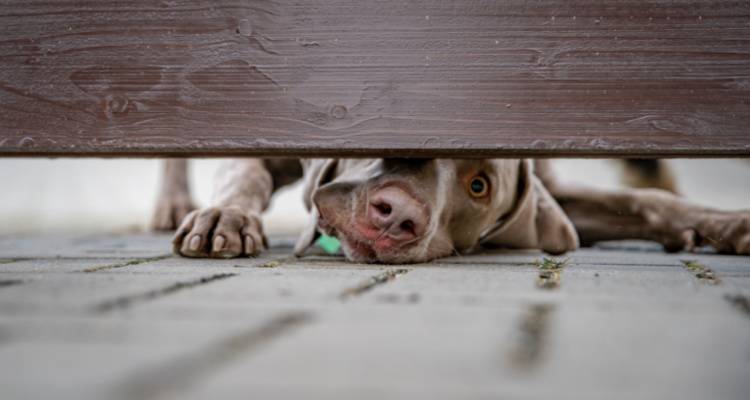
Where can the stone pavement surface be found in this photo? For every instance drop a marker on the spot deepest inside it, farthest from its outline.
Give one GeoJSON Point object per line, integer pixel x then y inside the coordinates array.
{"type": "Point", "coordinates": [118, 317]}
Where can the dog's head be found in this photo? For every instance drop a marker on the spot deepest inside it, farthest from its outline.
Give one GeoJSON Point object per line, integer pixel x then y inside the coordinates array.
{"type": "Point", "coordinates": [415, 210]}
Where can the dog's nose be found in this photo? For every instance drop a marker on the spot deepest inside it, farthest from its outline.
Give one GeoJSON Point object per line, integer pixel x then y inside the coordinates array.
{"type": "Point", "coordinates": [397, 213]}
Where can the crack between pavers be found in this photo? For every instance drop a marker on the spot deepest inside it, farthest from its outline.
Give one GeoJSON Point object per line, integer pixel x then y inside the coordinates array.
{"type": "Point", "coordinates": [276, 262]}
{"type": "Point", "coordinates": [157, 381]}
{"type": "Point", "coordinates": [5, 336]}
{"type": "Point", "coordinates": [701, 272]}
{"type": "Point", "coordinates": [74, 258]}
{"type": "Point", "coordinates": [9, 282]}
{"type": "Point", "coordinates": [371, 283]}
{"type": "Point", "coordinates": [127, 301]}
{"type": "Point", "coordinates": [128, 263]}
{"type": "Point", "coordinates": [8, 260]}
{"type": "Point", "coordinates": [533, 331]}
{"type": "Point", "coordinates": [739, 302]}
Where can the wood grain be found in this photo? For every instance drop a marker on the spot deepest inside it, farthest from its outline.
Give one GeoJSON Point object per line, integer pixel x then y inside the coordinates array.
{"type": "Point", "coordinates": [388, 77]}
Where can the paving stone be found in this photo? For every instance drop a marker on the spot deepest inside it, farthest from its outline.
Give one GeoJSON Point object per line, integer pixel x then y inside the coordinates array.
{"type": "Point", "coordinates": [60, 265]}
{"type": "Point", "coordinates": [378, 352]}
{"type": "Point", "coordinates": [289, 285]}
{"type": "Point", "coordinates": [85, 246]}
{"type": "Point", "coordinates": [457, 285]}
{"type": "Point", "coordinates": [175, 265]}
{"type": "Point", "coordinates": [450, 352]}
{"type": "Point", "coordinates": [82, 358]}
{"type": "Point", "coordinates": [631, 283]}
{"type": "Point", "coordinates": [492, 285]}
{"type": "Point", "coordinates": [582, 256]}
{"type": "Point", "coordinates": [80, 293]}
{"type": "Point", "coordinates": [652, 353]}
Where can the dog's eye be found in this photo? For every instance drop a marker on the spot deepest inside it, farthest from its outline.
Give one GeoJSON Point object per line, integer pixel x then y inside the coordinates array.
{"type": "Point", "coordinates": [478, 187]}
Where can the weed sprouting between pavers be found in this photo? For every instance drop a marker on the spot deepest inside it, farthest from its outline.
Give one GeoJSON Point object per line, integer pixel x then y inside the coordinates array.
{"type": "Point", "coordinates": [269, 264]}
{"type": "Point", "coordinates": [549, 272]}
{"type": "Point", "coordinates": [551, 264]}
{"type": "Point", "coordinates": [277, 262]}
{"type": "Point", "coordinates": [700, 271]}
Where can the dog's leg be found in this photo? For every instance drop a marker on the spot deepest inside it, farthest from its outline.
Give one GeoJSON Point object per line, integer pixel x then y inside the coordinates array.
{"type": "Point", "coordinates": [174, 201]}
{"type": "Point", "coordinates": [652, 214]}
{"type": "Point", "coordinates": [544, 171]}
{"type": "Point", "coordinates": [284, 171]}
{"type": "Point", "coordinates": [649, 173]}
{"type": "Point", "coordinates": [637, 173]}
{"type": "Point", "coordinates": [231, 227]}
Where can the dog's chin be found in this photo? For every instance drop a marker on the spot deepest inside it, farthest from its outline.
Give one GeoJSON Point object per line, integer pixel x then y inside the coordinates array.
{"type": "Point", "coordinates": [360, 251]}
{"type": "Point", "coordinates": [358, 248]}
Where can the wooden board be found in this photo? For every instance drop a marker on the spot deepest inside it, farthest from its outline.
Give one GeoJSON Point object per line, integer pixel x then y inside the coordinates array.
{"type": "Point", "coordinates": [390, 77]}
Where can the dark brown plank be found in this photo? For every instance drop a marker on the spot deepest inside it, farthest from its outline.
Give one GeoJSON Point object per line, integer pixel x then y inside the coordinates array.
{"type": "Point", "coordinates": [390, 77]}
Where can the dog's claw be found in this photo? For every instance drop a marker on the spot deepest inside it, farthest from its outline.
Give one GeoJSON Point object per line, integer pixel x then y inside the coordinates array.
{"type": "Point", "coordinates": [219, 243]}
{"type": "Point", "coordinates": [743, 246]}
{"type": "Point", "coordinates": [195, 243]}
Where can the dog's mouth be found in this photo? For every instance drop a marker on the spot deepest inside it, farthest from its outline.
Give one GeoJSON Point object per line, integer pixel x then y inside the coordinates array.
{"type": "Point", "coordinates": [363, 244]}
{"type": "Point", "coordinates": [358, 250]}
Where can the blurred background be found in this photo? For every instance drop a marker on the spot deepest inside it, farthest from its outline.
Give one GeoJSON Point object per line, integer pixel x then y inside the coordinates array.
{"type": "Point", "coordinates": [95, 195]}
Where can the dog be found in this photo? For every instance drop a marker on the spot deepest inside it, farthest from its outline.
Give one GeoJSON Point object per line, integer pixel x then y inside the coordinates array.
{"type": "Point", "coordinates": [415, 210]}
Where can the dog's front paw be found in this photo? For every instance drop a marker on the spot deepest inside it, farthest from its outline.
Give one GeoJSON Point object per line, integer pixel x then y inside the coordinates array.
{"type": "Point", "coordinates": [219, 232]}
{"type": "Point", "coordinates": [170, 210]}
{"type": "Point", "coordinates": [727, 232]}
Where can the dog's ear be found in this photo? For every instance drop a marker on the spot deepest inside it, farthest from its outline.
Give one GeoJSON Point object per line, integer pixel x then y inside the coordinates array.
{"type": "Point", "coordinates": [318, 172]}
{"type": "Point", "coordinates": [536, 221]}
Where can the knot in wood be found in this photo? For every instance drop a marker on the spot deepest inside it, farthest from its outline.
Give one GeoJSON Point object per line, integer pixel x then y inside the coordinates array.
{"type": "Point", "coordinates": [245, 28]}
{"type": "Point", "coordinates": [338, 111]}
{"type": "Point", "coordinates": [115, 104]}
